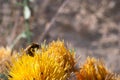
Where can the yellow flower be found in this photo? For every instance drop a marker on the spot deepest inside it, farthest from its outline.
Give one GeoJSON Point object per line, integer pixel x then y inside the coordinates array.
{"type": "Point", "coordinates": [112, 77]}
{"type": "Point", "coordinates": [40, 67]}
{"type": "Point", "coordinates": [62, 54]}
{"type": "Point", "coordinates": [92, 70]}
{"type": "Point", "coordinates": [5, 55]}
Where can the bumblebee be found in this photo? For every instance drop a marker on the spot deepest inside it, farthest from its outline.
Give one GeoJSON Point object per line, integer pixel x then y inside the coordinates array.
{"type": "Point", "coordinates": [31, 49]}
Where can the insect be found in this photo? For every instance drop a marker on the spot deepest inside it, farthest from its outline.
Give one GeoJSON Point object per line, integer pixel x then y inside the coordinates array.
{"type": "Point", "coordinates": [31, 49]}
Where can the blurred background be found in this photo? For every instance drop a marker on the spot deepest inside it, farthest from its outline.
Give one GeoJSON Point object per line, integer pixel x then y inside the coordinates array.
{"type": "Point", "coordinates": [91, 27]}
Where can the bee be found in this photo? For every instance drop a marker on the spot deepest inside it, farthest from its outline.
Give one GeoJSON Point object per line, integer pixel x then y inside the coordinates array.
{"type": "Point", "coordinates": [31, 49]}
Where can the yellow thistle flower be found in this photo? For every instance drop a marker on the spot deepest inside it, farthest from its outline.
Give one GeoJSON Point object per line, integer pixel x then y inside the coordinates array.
{"type": "Point", "coordinates": [92, 70]}
{"type": "Point", "coordinates": [58, 50]}
{"type": "Point", "coordinates": [112, 77]}
{"type": "Point", "coordinates": [5, 55]}
{"type": "Point", "coordinates": [40, 67]}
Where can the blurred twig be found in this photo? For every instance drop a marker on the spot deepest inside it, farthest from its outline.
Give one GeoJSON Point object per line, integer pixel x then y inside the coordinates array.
{"type": "Point", "coordinates": [49, 24]}
{"type": "Point", "coordinates": [21, 35]}
{"type": "Point", "coordinates": [27, 33]}
{"type": "Point", "coordinates": [15, 26]}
